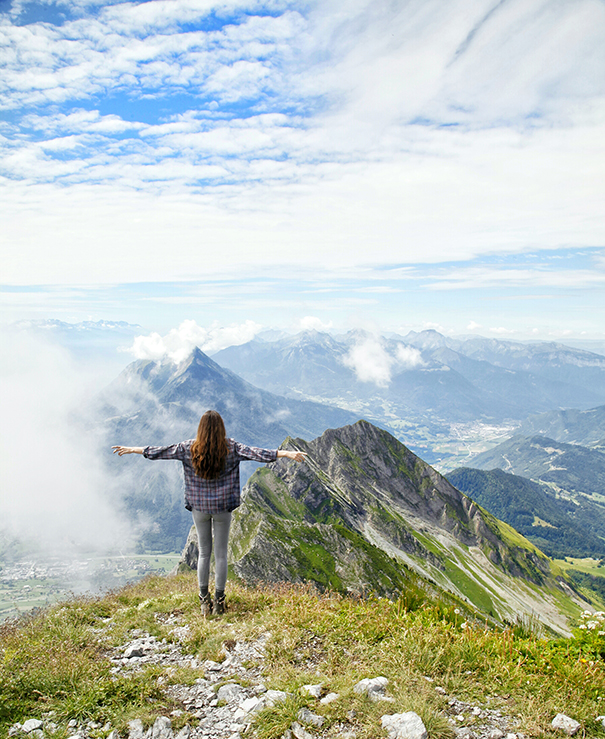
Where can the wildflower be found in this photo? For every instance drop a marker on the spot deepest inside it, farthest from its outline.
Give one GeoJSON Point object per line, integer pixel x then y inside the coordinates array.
{"type": "Point", "coordinates": [582, 626]}
{"type": "Point", "coordinates": [600, 633]}
{"type": "Point", "coordinates": [463, 625]}
{"type": "Point", "coordinates": [592, 625]}
{"type": "Point", "coordinates": [456, 611]}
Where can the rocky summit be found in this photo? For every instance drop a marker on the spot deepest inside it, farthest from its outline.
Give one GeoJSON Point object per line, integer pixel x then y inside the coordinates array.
{"type": "Point", "coordinates": [364, 515]}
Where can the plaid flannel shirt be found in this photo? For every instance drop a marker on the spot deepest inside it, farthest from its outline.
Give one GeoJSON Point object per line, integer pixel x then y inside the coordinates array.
{"type": "Point", "coordinates": [212, 496]}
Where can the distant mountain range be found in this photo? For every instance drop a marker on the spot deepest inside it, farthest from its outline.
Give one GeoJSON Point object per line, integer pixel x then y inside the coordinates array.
{"type": "Point", "coordinates": [571, 468]}
{"type": "Point", "coordinates": [365, 514]}
{"type": "Point", "coordinates": [160, 403]}
{"type": "Point", "coordinates": [427, 377]}
{"type": "Point", "coordinates": [560, 527]}
{"type": "Point", "coordinates": [572, 426]}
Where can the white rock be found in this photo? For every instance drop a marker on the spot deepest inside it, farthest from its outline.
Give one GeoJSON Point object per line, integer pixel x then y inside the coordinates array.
{"type": "Point", "coordinates": [162, 728]}
{"type": "Point", "coordinates": [239, 715]}
{"type": "Point", "coordinates": [440, 690]}
{"type": "Point", "coordinates": [307, 717]}
{"type": "Point", "coordinates": [113, 735]}
{"type": "Point", "coordinates": [134, 650]}
{"type": "Point", "coordinates": [330, 698]}
{"type": "Point", "coordinates": [495, 734]}
{"type": "Point", "coordinates": [211, 666]}
{"type": "Point", "coordinates": [250, 705]}
{"type": "Point", "coordinates": [464, 733]}
{"type": "Point", "coordinates": [31, 725]}
{"type": "Point", "coordinates": [565, 723]}
{"type": "Point", "coordinates": [184, 732]}
{"type": "Point", "coordinates": [313, 690]}
{"type": "Point", "coordinates": [300, 733]}
{"type": "Point", "coordinates": [271, 697]}
{"type": "Point", "coordinates": [601, 719]}
{"type": "Point", "coordinates": [14, 729]}
{"type": "Point", "coordinates": [404, 726]}
{"type": "Point", "coordinates": [229, 692]}
{"type": "Point", "coordinates": [374, 687]}
{"type": "Point", "coordinates": [136, 730]}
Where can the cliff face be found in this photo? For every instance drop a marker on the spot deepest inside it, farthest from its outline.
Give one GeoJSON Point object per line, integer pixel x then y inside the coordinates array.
{"type": "Point", "coordinates": [363, 514]}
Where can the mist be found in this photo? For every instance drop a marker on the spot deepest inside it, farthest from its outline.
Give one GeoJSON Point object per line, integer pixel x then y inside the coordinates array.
{"type": "Point", "coordinates": [54, 501]}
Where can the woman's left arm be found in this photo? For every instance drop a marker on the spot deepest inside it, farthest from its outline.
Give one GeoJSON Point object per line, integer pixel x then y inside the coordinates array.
{"type": "Point", "coordinates": [121, 450]}
{"type": "Point", "coordinates": [296, 456]}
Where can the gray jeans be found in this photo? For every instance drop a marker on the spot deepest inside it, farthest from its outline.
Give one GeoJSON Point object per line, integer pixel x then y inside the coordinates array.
{"type": "Point", "coordinates": [206, 525]}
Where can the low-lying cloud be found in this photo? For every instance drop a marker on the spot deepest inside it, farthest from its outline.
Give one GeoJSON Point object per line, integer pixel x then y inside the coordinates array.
{"type": "Point", "coordinates": [54, 499]}
{"type": "Point", "coordinates": [179, 342]}
{"type": "Point", "coordinates": [371, 360]}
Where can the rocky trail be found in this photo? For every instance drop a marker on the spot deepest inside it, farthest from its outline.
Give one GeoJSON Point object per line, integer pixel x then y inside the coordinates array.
{"type": "Point", "coordinates": [223, 702]}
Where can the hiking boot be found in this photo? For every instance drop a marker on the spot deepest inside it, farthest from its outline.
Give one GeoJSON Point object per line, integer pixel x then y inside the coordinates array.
{"type": "Point", "coordinates": [205, 605]}
{"type": "Point", "coordinates": [219, 606]}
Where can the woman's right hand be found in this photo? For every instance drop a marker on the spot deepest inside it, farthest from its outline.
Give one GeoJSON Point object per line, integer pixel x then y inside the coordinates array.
{"type": "Point", "coordinates": [121, 450]}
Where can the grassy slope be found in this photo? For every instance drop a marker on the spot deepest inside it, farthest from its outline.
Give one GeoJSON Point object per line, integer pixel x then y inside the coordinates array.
{"type": "Point", "coordinates": [57, 661]}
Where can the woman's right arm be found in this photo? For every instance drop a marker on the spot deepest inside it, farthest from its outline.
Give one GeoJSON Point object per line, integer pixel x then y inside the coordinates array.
{"type": "Point", "coordinates": [121, 450]}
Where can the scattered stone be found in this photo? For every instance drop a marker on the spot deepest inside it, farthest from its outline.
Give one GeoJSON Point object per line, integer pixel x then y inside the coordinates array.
{"type": "Point", "coordinates": [465, 733]}
{"type": "Point", "coordinates": [32, 724]}
{"type": "Point", "coordinates": [72, 724]}
{"type": "Point", "coordinates": [565, 723]}
{"type": "Point", "coordinates": [299, 732]}
{"type": "Point", "coordinates": [14, 729]}
{"type": "Point", "coordinates": [136, 730]}
{"type": "Point", "coordinates": [404, 725]}
{"type": "Point", "coordinates": [184, 732]}
{"type": "Point", "coordinates": [211, 666]}
{"type": "Point", "coordinates": [258, 689]}
{"type": "Point", "coordinates": [495, 734]}
{"type": "Point", "coordinates": [312, 690]}
{"type": "Point", "coordinates": [271, 697]}
{"type": "Point", "coordinates": [251, 704]}
{"type": "Point", "coordinates": [440, 690]}
{"type": "Point", "coordinates": [374, 688]}
{"type": "Point", "coordinates": [307, 717]}
{"type": "Point", "coordinates": [330, 698]}
{"type": "Point", "coordinates": [113, 735]}
{"type": "Point", "coordinates": [134, 651]}
{"type": "Point", "coordinates": [601, 720]}
{"type": "Point", "coordinates": [162, 728]}
{"type": "Point", "coordinates": [229, 692]}
{"type": "Point", "coordinates": [351, 715]}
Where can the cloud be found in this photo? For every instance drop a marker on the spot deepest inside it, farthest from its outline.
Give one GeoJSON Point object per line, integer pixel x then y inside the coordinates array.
{"type": "Point", "coordinates": [501, 330]}
{"type": "Point", "coordinates": [310, 323]}
{"type": "Point", "coordinates": [408, 357]}
{"type": "Point", "coordinates": [361, 133]}
{"type": "Point", "coordinates": [179, 342]}
{"type": "Point", "coordinates": [473, 326]}
{"type": "Point", "coordinates": [55, 496]}
{"type": "Point", "coordinates": [370, 361]}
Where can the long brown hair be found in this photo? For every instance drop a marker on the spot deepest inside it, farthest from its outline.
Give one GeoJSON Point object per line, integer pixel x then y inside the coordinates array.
{"type": "Point", "coordinates": [209, 450]}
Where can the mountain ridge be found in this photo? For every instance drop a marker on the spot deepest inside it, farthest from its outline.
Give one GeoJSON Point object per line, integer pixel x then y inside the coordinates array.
{"type": "Point", "coordinates": [365, 514]}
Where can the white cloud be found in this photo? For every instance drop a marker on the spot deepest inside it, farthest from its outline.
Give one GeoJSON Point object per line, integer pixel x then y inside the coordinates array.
{"type": "Point", "coordinates": [501, 330]}
{"type": "Point", "coordinates": [179, 342]}
{"type": "Point", "coordinates": [54, 488]}
{"type": "Point", "coordinates": [370, 361]}
{"type": "Point", "coordinates": [309, 323]}
{"type": "Point", "coordinates": [473, 326]}
{"type": "Point", "coordinates": [408, 357]}
{"type": "Point", "coordinates": [344, 150]}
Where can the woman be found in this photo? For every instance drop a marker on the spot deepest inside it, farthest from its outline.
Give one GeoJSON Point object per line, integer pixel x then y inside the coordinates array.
{"type": "Point", "coordinates": [212, 490]}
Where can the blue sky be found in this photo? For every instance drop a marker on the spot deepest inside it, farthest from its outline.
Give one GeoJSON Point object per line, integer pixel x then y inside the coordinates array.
{"type": "Point", "coordinates": [403, 165]}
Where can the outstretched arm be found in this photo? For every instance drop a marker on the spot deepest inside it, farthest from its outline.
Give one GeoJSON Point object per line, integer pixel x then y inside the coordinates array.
{"type": "Point", "coordinates": [121, 450]}
{"type": "Point", "coordinates": [296, 456]}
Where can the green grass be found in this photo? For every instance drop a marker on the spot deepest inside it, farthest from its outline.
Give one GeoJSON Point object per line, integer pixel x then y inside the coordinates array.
{"type": "Point", "coordinates": [59, 660]}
